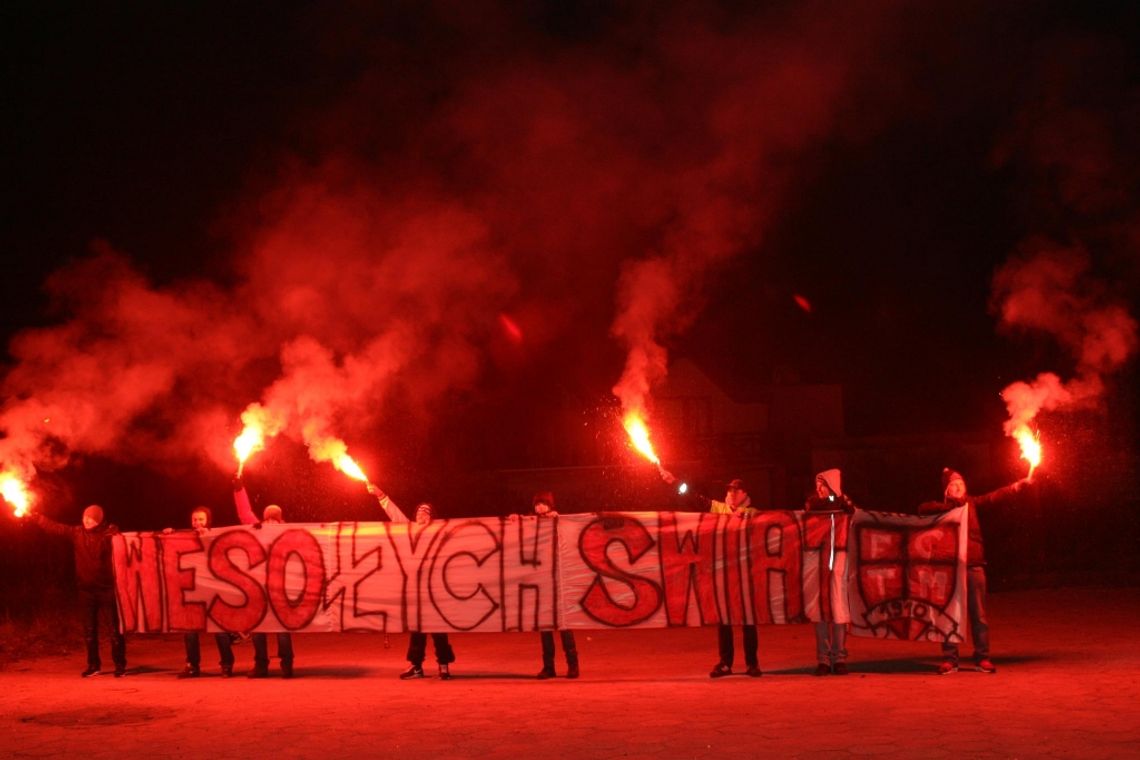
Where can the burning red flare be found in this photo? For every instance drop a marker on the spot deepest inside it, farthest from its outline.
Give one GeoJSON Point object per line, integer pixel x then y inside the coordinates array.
{"type": "Point", "coordinates": [14, 491]}
{"type": "Point", "coordinates": [349, 467]}
{"type": "Point", "coordinates": [802, 302]}
{"type": "Point", "coordinates": [259, 424]}
{"type": "Point", "coordinates": [251, 439]}
{"type": "Point", "coordinates": [1030, 443]}
{"type": "Point", "coordinates": [639, 437]}
{"type": "Point", "coordinates": [335, 450]}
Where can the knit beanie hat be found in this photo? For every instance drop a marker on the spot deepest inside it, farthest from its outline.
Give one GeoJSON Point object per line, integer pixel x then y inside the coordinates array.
{"type": "Point", "coordinates": [830, 478]}
{"type": "Point", "coordinates": [426, 507]}
{"type": "Point", "coordinates": [94, 512]}
{"type": "Point", "coordinates": [949, 475]}
{"type": "Point", "coordinates": [543, 497]}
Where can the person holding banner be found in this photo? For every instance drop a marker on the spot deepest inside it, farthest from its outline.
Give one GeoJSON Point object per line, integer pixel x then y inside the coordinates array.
{"type": "Point", "coordinates": [201, 520]}
{"type": "Point", "coordinates": [736, 502]}
{"type": "Point", "coordinates": [543, 503]}
{"type": "Point", "coordinates": [271, 515]}
{"type": "Point", "coordinates": [955, 495]}
{"type": "Point", "coordinates": [91, 543]}
{"type": "Point", "coordinates": [417, 645]}
{"type": "Point", "coordinates": [830, 637]}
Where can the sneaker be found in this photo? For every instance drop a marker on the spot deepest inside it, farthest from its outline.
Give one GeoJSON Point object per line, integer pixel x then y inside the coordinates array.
{"type": "Point", "coordinates": [413, 672]}
{"type": "Point", "coordinates": [720, 670]}
{"type": "Point", "coordinates": [92, 670]}
{"type": "Point", "coordinates": [840, 669]}
{"type": "Point", "coordinates": [190, 671]}
{"type": "Point", "coordinates": [754, 671]}
{"type": "Point", "coordinates": [286, 670]}
{"type": "Point", "coordinates": [120, 671]}
{"type": "Point", "coordinates": [572, 671]}
{"type": "Point", "coordinates": [444, 673]}
{"type": "Point", "coordinates": [822, 669]}
{"type": "Point", "coordinates": [227, 671]}
{"type": "Point", "coordinates": [985, 666]}
{"type": "Point", "coordinates": [259, 671]}
{"type": "Point", "coordinates": [546, 673]}
{"type": "Point", "coordinates": [947, 667]}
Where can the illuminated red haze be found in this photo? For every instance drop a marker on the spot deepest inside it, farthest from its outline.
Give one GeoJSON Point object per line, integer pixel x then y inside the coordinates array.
{"type": "Point", "coordinates": [511, 328]}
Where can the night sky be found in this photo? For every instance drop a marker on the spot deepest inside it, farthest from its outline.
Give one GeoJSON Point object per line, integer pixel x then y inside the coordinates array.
{"type": "Point", "coordinates": [341, 209]}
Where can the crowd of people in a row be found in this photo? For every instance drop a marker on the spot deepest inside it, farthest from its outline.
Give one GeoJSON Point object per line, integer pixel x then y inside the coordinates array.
{"type": "Point", "coordinates": [92, 551]}
{"type": "Point", "coordinates": [831, 637]}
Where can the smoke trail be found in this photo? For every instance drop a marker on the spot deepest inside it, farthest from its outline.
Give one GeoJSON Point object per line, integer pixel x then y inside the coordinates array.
{"type": "Point", "coordinates": [516, 172]}
{"type": "Point", "coordinates": [1073, 149]}
{"type": "Point", "coordinates": [788, 81]}
{"type": "Point", "coordinates": [1052, 290]}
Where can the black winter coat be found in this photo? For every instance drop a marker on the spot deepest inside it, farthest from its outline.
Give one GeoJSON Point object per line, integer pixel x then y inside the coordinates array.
{"type": "Point", "coordinates": [976, 550]}
{"type": "Point", "coordinates": [92, 551]}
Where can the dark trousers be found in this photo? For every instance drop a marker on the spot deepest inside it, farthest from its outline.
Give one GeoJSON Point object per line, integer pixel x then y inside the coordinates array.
{"type": "Point", "coordinates": [194, 650]}
{"type": "Point", "coordinates": [261, 649]}
{"type": "Point", "coordinates": [417, 648]}
{"type": "Point", "coordinates": [569, 648]}
{"type": "Point", "coordinates": [751, 644]}
{"type": "Point", "coordinates": [99, 611]}
{"type": "Point", "coordinates": [976, 609]}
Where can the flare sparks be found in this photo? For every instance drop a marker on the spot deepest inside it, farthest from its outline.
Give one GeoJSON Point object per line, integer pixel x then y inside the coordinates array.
{"type": "Point", "coordinates": [639, 437]}
{"type": "Point", "coordinates": [1030, 443]}
{"type": "Point", "coordinates": [251, 439]}
{"type": "Point", "coordinates": [15, 492]}
{"type": "Point", "coordinates": [349, 467]}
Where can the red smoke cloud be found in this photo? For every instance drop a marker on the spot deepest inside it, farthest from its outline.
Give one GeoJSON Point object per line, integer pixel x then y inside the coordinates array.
{"type": "Point", "coordinates": [1070, 147]}
{"type": "Point", "coordinates": [123, 376]}
{"type": "Point", "coordinates": [516, 173]}
{"type": "Point", "coordinates": [1052, 290]}
{"type": "Point", "coordinates": [781, 89]}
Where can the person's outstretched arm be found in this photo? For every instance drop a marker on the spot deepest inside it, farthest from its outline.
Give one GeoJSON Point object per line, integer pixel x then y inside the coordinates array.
{"type": "Point", "coordinates": [395, 514]}
{"type": "Point", "coordinates": [241, 502]}
{"type": "Point", "coordinates": [51, 526]}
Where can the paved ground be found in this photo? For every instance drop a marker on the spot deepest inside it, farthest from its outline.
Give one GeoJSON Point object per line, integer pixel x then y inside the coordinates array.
{"type": "Point", "coordinates": [1068, 686]}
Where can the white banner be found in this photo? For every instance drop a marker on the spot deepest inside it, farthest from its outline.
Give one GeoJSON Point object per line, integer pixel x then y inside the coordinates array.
{"type": "Point", "coordinates": [602, 570]}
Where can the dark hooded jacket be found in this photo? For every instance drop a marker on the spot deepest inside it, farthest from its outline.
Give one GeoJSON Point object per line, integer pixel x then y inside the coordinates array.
{"type": "Point", "coordinates": [92, 551]}
{"type": "Point", "coordinates": [839, 501]}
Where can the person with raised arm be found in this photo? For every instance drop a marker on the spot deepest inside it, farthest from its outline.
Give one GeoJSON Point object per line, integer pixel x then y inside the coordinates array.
{"type": "Point", "coordinates": [738, 503]}
{"type": "Point", "coordinates": [271, 515]}
{"type": "Point", "coordinates": [417, 644]}
{"type": "Point", "coordinates": [91, 543]}
{"type": "Point", "coordinates": [954, 495]}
